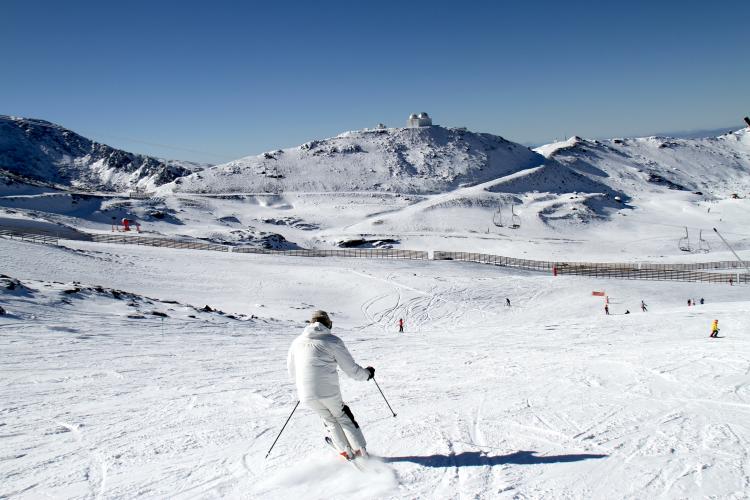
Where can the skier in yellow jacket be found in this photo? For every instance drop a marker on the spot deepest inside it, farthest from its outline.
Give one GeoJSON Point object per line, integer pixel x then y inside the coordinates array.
{"type": "Point", "coordinates": [715, 328]}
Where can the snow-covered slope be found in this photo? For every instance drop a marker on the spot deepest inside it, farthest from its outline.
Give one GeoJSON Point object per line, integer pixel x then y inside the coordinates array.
{"type": "Point", "coordinates": [42, 151]}
{"type": "Point", "coordinates": [715, 166]}
{"type": "Point", "coordinates": [119, 382]}
{"type": "Point", "coordinates": [547, 399]}
{"type": "Point", "coordinates": [402, 160]}
{"type": "Point", "coordinates": [438, 188]}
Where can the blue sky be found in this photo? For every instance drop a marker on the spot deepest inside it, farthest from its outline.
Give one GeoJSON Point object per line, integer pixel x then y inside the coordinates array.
{"type": "Point", "coordinates": [239, 78]}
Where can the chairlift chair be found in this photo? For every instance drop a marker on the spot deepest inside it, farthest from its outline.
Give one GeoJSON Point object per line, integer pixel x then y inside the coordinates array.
{"type": "Point", "coordinates": [703, 245]}
{"type": "Point", "coordinates": [684, 243]}
{"type": "Point", "coordinates": [497, 218]}
{"type": "Point", "coordinates": [515, 219]}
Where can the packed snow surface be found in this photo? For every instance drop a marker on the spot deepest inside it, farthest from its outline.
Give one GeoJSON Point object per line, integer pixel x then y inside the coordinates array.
{"type": "Point", "coordinates": [548, 398]}
{"type": "Point", "coordinates": [160, 373]}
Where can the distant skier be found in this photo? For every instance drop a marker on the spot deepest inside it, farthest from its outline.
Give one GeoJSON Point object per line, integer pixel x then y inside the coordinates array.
{"type": "Point", "coordinates": [312, 361]}
{"type": "Point", "coordinates": [627, 311]}
{"type": "Point", "coordinates": [606, 309]}
{"type": "Point", "coordinates": [690, 302]}
{"type": "Point", "coordinates": [715, 328]}
{"type": "Point", "coordinates": [401, 325]}
{"type": "Point", "coordinates": [643, 306]}
{"type": "Point", "coordinates": [507, 302]}
{"type": "Point", "coordinates": [702, 301]}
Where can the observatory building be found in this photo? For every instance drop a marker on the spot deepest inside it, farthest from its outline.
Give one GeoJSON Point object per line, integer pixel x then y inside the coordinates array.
{"type": "Point", "coordinates": [420, 120]}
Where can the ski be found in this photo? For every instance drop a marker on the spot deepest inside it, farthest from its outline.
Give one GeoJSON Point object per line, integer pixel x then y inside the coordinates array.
{"type": "Point", "coordinates": [354, 462]}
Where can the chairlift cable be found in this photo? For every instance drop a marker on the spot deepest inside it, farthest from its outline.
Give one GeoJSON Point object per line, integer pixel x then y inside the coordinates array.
{"type": "Point", "coordinates": [54, 126]}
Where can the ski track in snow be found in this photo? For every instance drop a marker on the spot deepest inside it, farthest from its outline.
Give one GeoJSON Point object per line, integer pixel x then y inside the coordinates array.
{"type": "Point", "coordinates": [548, 398]}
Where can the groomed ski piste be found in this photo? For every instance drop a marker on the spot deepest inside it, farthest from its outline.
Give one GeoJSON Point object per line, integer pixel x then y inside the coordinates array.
{"type": "Point", "coordinates": [548, 398]}
{"type": "Point", "coordinates": [116, 380]}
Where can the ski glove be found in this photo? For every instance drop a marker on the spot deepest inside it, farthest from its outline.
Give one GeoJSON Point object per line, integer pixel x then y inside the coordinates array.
{"type": "Point", "coordinates": [372, 372]}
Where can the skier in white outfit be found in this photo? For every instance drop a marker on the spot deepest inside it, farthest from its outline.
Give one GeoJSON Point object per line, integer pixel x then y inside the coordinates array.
{"type": "Point", "coordinates": [312, 361]}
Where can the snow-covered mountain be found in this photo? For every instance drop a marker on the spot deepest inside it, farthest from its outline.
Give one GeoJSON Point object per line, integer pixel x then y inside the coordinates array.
{"type": "Point", "coordinates": [435, 159]}
{"type": "Point", "coordinates": [400, 160]}
{"type": "Point", "coordinates": [425, 160]}
{"type": "Point", "coordinates": [415, 188]}
{"type": "Point", "coordinates": [715, 166]}
{"type": "Point", "coordinates": [42, 151]}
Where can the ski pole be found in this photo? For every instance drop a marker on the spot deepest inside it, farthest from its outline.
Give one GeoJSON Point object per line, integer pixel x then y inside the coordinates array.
{"type": "Point", "coordinates": [381, 393]}
{"type": "Point", "coordinates": [282, 429]}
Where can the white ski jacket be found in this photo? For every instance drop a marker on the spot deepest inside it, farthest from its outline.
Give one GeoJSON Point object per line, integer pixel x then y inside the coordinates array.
{"type": "Point", "coordinates": [312, 362]}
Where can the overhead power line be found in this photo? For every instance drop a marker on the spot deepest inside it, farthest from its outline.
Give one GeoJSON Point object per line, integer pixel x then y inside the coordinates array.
{"type": "Point", "coordinates": [167, 146]}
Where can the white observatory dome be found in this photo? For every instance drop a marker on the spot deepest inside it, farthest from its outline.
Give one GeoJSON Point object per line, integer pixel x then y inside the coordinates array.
{"type": "Point", "coordinates": [419, 120]}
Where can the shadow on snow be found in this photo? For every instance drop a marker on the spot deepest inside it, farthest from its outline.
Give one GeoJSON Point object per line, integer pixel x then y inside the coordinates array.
{"type": "Point", "coordinates": [479, 459]}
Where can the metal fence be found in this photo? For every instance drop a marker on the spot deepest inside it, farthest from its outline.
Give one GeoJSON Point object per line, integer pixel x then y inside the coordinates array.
{"type": "Point", "coordinates": [53, 237]}
{"type": "Point", "coordinates": [33, 238]}
{"type": "Point", "coordinates": [363, 253]}
{"type": "Point", "coordinates": [633, 271]}
{"type": "Point", "coordinates": [648, 273]}
{"type": "Point", "coordinates": [496, 260]}
{"type": "Point", "coordinates": [157, 242]}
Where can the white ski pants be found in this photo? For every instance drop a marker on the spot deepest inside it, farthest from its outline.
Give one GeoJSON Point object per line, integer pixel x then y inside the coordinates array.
{"type": "Point", "coordinates": [340, 423]}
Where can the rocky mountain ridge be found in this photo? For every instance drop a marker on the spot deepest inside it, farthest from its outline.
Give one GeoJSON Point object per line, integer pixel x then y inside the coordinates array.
{"type": "Point", "coordinates": [38, 150]}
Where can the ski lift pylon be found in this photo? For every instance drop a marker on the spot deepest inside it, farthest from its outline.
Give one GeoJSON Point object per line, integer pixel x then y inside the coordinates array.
{"type": "Point", "coordinates": [684, 243]}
